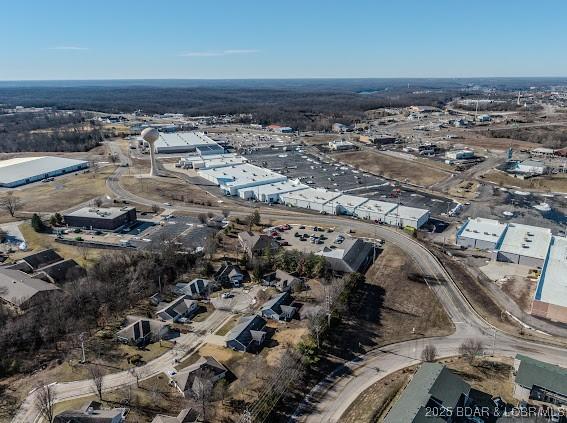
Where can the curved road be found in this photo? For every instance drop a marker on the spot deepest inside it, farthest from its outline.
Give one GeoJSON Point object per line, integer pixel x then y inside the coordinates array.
{"type": "Point", "coordinates": [327, 400]}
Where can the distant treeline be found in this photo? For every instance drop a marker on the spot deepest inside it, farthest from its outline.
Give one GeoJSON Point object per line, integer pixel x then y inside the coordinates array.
{"type": "Point", "coordinates": [301, 108]}
{"type": "Point", "coordinates": [48, 131]}
{"type": "Point", "coordinates": [552, 136]}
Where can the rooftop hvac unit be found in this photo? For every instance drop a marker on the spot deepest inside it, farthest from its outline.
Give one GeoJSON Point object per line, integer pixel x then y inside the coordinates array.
{"type": "Point", "coordinates": [525, 246]}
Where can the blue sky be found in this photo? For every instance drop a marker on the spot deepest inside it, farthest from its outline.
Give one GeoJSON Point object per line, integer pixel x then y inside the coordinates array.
{"type": "Point", "coordinates": [78, 39]}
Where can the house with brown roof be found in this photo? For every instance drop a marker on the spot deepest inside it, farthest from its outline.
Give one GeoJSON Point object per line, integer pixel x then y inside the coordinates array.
{"type": "Point", "coordinates": [182, 306]}
{"type": "Point", "coordinates": [92, 412]}
{"type": "Point", "coordinates": [206, 367]}
{"type": "Point", "coordinates": [139, 331]}
{"type": "Point", "coordinates": [281, 280]}
{"type": "Point", "coordinates": [187, 415]}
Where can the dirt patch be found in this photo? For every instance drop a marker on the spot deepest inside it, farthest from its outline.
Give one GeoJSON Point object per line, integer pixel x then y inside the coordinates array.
{"type": "Point", "coordinates": [466, 189]}
{"type": "Point", "coordinates": [393, 305]}
{"type": "Point", "coordinates": [413, 171]}
{"type": "Point", "coordinates": [521, 290]}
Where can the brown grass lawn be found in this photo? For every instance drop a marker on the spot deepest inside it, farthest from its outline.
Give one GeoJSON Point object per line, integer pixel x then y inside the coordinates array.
{"type": "Point", "coordinates": [166, 189]}
{"type": "Point", "coordinates": [38, 241]}
{"type": "Point", "coordinates": [389, 307]}
{"type": "Point", "coordinates": [413, 171]}
{"type": "Point", "coordinates": [61, 194]}
{"type": "Point", "coordinates": [555, 183]}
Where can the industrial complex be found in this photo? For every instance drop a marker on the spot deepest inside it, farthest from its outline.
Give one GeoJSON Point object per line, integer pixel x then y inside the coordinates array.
{"type": "Point", "coordinates": [25, 170]}
{"type": "Point", "coordinates": [525, 245]}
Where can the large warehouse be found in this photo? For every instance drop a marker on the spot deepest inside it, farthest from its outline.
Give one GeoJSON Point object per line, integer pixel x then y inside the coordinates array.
{"type": "Point", "coordinates": [524, 244]}
{"type": "Point", "coordinates": [550, 299]}
{"type": "Point", "coordinates": [25, 170]}
{"type": "Point", "coordinates": [186, 142]}
{"type": "Point", "coordinates": [484, 234]}
{"type": "Point", "coordinates": [231, 179]}
{"type": "Point", "coordinates": [109, 218]}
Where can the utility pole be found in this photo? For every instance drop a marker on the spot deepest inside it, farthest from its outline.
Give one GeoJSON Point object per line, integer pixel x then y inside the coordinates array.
{"type": "Point", "coordinates": [493, 340]}
{"type": "Point", "coordinates": [82, 340]}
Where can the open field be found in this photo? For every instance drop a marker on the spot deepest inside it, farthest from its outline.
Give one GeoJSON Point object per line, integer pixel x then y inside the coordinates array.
{"type": "Point", "coordinates": [39, 241]}
{"type": "Point", "coordinates": [411, 171]}
{"type": "Point", "coordinates": [486, 141]}
{"type": "Point", "coordinates": [492, 375]}
{"type": "Point", "coordinates": [466, 190]}
{"type": "Point", "coordinates": [556, 183]}
{"type": "Point", "coordinates": [63, 193]}
{"type": "Point", "coordinates": [166, 189]}
{"type": "Point", "coordinates": [393, 305]}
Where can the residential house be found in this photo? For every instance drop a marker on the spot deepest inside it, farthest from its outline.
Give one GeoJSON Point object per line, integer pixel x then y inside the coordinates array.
{"type": "Point", "coordinates": [140, 332]}
{"type": "Point", "coordinates": [92, 412]}
{"type": "Point", "coordinates": [196, 288]}
{"type": "Point", "coordinates": [539, 381]}
{"type": "Point", "coordinates": [281, 280]}
{"type": "Point", "coordinates": [433, 387]}
{"type": "Point", "coordinates": [182, 307]}
{"type": "Point", "coordinates": [37, 260]}
{"type": "Point", "coordinates": [278, 308]}
{"type": "Point", "coordinates": [353, 255]}
{"type": "Point", "coordinates": [247, 333]}
{"type": "Point", "coordinates": [187, 415]}
{"type": "Point", "coordinates": [229, 274]}
{"type": "Point", "coordinates": [61, 271]}
{"type": "Point", "coordinates": [256, 244]}
{"type": "Point", "coordinates": [21, 291]}
{"type": "Point", "coordinates": [185, 379]}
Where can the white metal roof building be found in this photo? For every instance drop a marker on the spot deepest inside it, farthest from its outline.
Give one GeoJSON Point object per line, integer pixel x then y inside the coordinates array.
{"type": "Point", "coordinates": [270, 193]}
{"type": "Point", "coordinates": [550, 300]}
{"type": "Point", "coordinates": [25, 170]}
{"type": "Point", "coordinates": [375, 210]}
{"type": "Point", "coordinates": [403, 216]}
{"type": "Point", "coordinates": [236, 177]}
{"type": "Point", "coordinates": [484, 234]}
{"type": "Point", "coordinates": [524, 244]}
{"type": "Point", "coordinates": [184, 142]}
{"type": "Point", "coordinates": [344, 204]}
{"type": "Point", "coordinates": [310, 198]}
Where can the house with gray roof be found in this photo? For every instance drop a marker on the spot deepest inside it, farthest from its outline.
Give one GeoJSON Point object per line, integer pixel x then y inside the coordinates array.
{"type": "Point", "coordinates": [21, 291]}
{"type": "Point", "coordinates": [92, 412]}
{"type": "Point", "coordinates": [197, 287]}
{"type": "Point", "coordinates": [182, 306]}
{"type": "Point", "coordinates": [247, 333]}
{"type": "Point", "coordinates": [281, 280]}
{"type": "Point", "coordinates": [432, 387]}
{"type": "Point", "coordinates": [539, 381]}
{"type": "Point", "coordinates": [353, 255]}
{"type": "Point", "coordinates": [139, 331]}
{"type": "Point", "coordinates": [256, 244]}
{"type": "Point", "coordinates": [206, 366]}
{"type": "Point", "coordinates": [278, 308]}
{"type": "Point", "coordinates": [61, 271]}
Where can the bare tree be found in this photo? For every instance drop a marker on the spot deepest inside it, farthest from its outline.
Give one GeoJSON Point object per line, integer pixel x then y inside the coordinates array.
{"type": "Point", "coordinates": [11, 203]}
{"type": "Point", "coordinates": [225, 213]}
{"type": "Point", "coordinates": [317, 325]}
{"type": "Point", "coordinates": [97, 375]}
{"type": "Point", "coordinates": [45, 402]}
{"type": "Point", "coordinates": [471, 348]}
{"type": "Point", "coordinates": [202, 217]}
{"type": "Point", "coordinates": [97, 202]}
{"type": "Point", "coordinates": [155, 208]}
{"type": "Point", "coordinates": [429, 353]}
{"type": "Point", "coordinates": [202, 391]}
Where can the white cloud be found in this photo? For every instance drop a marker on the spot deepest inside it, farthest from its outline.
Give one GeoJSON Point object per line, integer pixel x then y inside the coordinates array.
{"type": "Point", "coordinates": [218, 53]}
{"type": "Point", "coordinates": [75, 48]}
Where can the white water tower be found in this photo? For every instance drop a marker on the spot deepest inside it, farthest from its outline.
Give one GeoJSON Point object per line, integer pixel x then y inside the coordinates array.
{"type": "Point", "coordinates": [151, 135]}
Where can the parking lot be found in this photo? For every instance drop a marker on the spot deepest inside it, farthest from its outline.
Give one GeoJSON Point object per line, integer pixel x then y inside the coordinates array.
{"type": "Point", "coordinates": [321, 171]}
{"type": "Point", "coordinates": [307, 239]}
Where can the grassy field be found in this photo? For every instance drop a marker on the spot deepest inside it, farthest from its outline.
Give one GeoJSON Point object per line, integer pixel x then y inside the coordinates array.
{"type": "Point", "coordinates": [224, 329]}
{"type": "Point", "coordinates": [393, 305]}
{"type": "Point", "coordinates": [412, 171]}
{"type": "Point", "coordinates": [556, 183]}
{"type": "Point", "coordinates": [39, 241]}
{"type": "Point", "coordinates": [166, 189]}
{"type": "Point", "coordinates": [61, 194]}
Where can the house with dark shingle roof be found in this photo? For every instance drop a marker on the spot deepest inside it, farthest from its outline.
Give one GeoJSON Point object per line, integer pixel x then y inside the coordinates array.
{"type": "Point", "coordinates": [278, 308]}
{"type": "Point", "coordinates": [281, 280]}
{"type": "Point", "coordinates": [92, 412]}
{"type": "Point", "coordinates": [256, 244]}
{"type": "Point", "coordinates": [539, 381]}
{"type": "Point", "coordinates": [353, 255]}
{"type": "Point", "coordinates": [139, 331]}
{"type": "Point", "coordinates": [184, 379]}
{"type": "Point", "coordinates": [433, 387]}
{"type": "Point", "coordinates": [182, 306]}
{"type": "Point", "coordinates": [41, 259]}
{"type": "Point", "coordinates": [61, 271]}
{"type": "Point", "coordinates": [247, 332]}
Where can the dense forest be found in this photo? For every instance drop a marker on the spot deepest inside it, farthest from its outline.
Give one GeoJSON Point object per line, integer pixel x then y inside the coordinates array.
{"type": "Point", "coordinates": [305, 108]}
{"type": "Point", "coordinates": [48, 131]}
